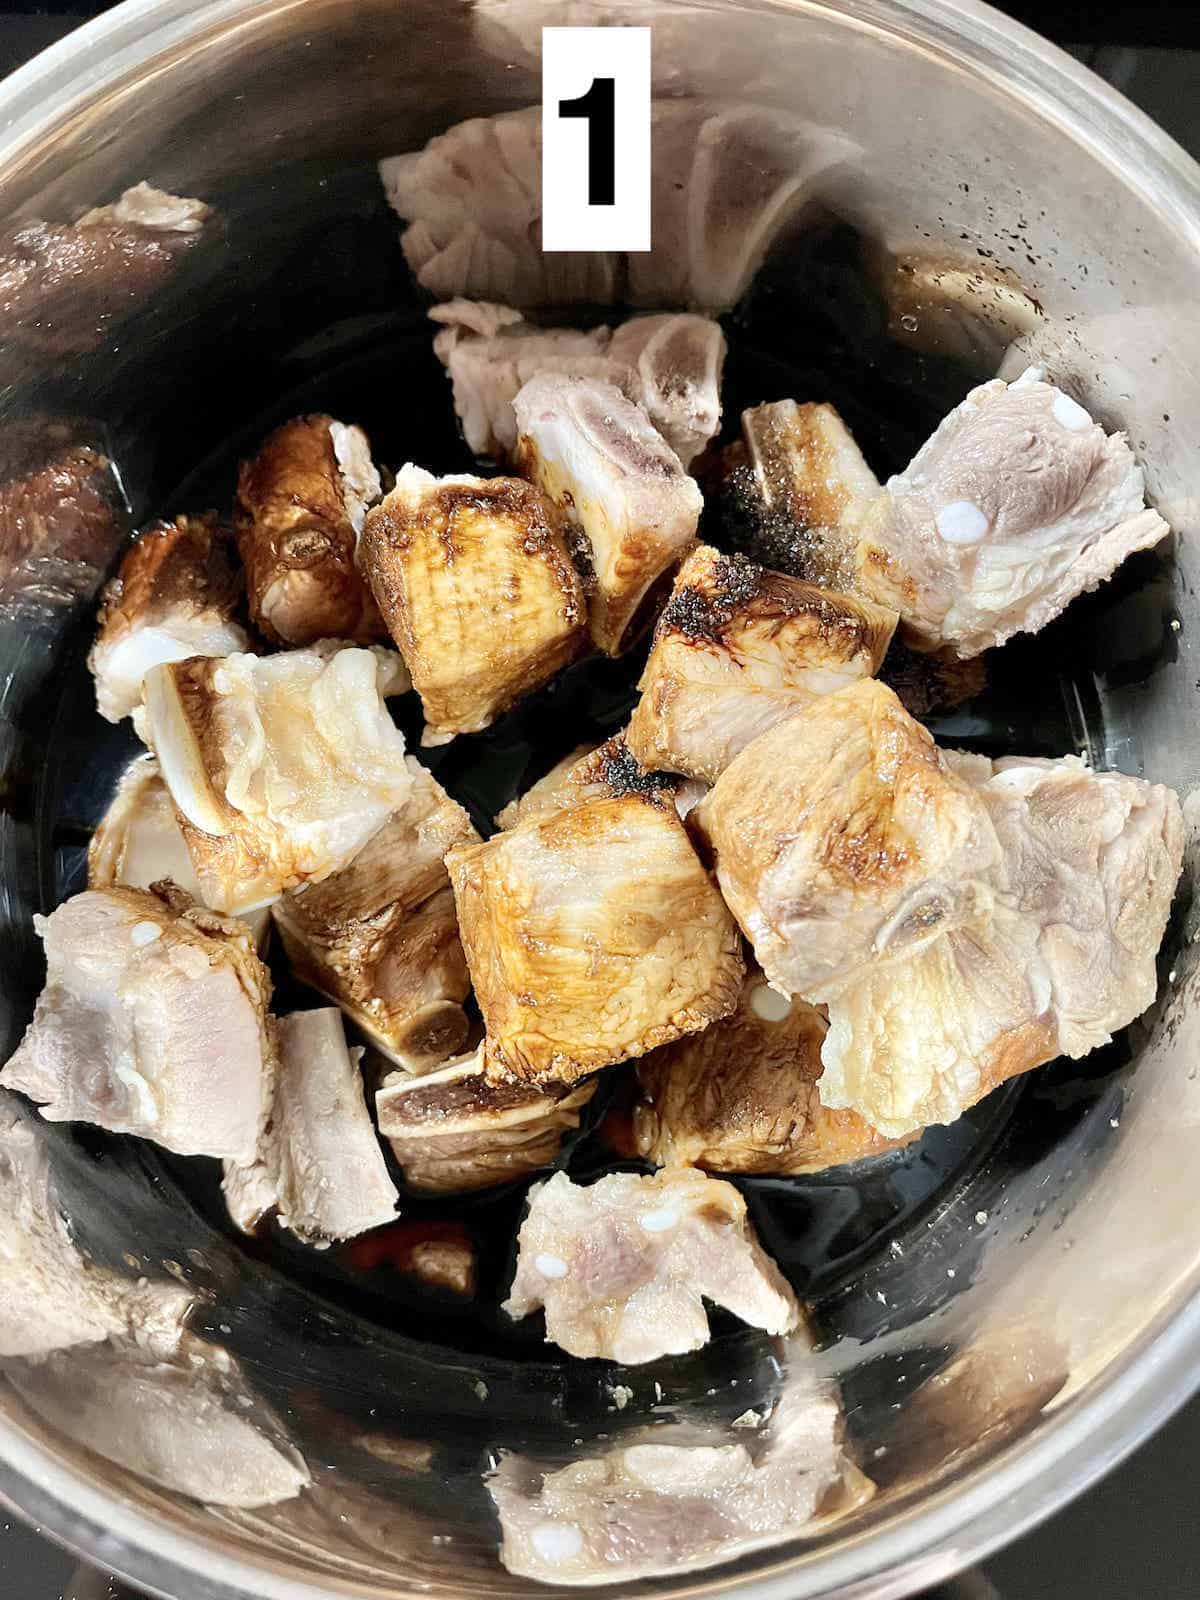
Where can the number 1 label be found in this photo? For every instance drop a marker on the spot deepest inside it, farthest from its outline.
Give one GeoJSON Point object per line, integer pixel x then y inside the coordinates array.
{"type": "Point", "coordinates": [595, 138]}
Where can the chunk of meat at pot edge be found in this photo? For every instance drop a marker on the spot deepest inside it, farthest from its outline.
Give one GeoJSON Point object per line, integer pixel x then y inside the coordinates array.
{"type": "Point", "coordinates": [623, 1267]}
{"type": "Point", "coordinates": [592, 935]}
{"type": "Point", "coordinates": [153, 1021]}
{"type": "Point", "coordinates": [1017, 504]}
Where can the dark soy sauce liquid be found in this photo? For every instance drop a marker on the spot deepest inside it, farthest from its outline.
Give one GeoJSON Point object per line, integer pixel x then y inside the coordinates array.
{"type": "Point", "coordinates": [347, 1330]}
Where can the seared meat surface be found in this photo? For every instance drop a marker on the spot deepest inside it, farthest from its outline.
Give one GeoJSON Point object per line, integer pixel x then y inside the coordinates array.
{"type": "Point", "coordinates": [738, 649]}
{"type": "Point", "coordinates": [623, 1267]}
{"type": "Point", "coordinates": [474, 580]}
{"type": "Point", "coordinates": [380, 937]}
{"type": "Point", "coordinates": [608, 771]}
{"type": "Point", "coordinates": [811, 488]}
{"type": "Point", "coordinates": [453, 1130]}
{"type": "Point", "coordinates": [153, 1021]}
{"type": "Point", "coordinates": [318, 1163]}
{"type": "Point", "coordinates": [301, 502]}
{"type": "Point", "coordinates": [1018, 503]}
{"type": "Point", "coordinates": [842, 837]}
{"type": "Point", "coordinates": [176, 595]}
{"type": "Point", "coordinates": [280, 767]}
{"type": "Point", "coordinates": [615, 479]}
{"type": "Point", "coordinates": [743, 1096]}
{"type": "Point", "coordinates": [592, 935]}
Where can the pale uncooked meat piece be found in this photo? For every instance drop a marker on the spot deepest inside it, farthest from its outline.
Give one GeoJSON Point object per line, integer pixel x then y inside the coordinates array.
{"type": "Point", "coordinates": [380, 937]}
{"type": "Point", "coordinates": [53, 1299]}
{"type": "Point", "coordinates": [623, 1266]}
{"type": "Point", "coordinates": [452, 1130]}
{"type": "Point", "coordinates": [301, 501]}
{"type": "Point", "coordinates": [281, 767]}
{"type": "Point", "coordinates": [153, 1021]}
{"type": "Point", "coordinates": [610, 770]}
{"type": "Point", "coordinates": [1017, 504]}
{"type": "Point", "coordinates": [743, 1096]}
{"type": "Point", "coordinates": [138, 842]}
{"type": "Point", "coordinates": [472, 201]}
{"type": "Point", "coordinates": [592, 936]}
{"type": "Point", "coordinates": [812, 489]}
{"type": "Point", "coordinates": [737, 650]}
{"type": "Point", "coordinates": [667, 1501]}
{"type": "Point", "coordinates": [478, 589]}
{"type": "Point", "coordinates": [599, 459]}
{"type": "Point", "coordinates": [175, 595]}
{"type": "Point", "coordinates": [180, 1425]}
{"type": "Point", "coordinates": [842, 838]}
{"type": "Point", "coordinates": [323, 1169]}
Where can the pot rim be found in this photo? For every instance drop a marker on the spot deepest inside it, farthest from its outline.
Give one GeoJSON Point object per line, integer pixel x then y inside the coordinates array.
{"type": "Point", "coordinates": [960, 1523]}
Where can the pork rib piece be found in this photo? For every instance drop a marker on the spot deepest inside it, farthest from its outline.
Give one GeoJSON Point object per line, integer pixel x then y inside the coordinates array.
{"type": "Point", "coordinates": [474, 580]}
{"type": "Point", "coordinates": [670, 365]}
{"type": "Point", "coordinates": [592, 935]}
{"type": "Point", "coordinates": [1018, 503]}
{"type": "Point", "coordinates": [380, 937]}
{"type": "Point", "coordinates": [176, 595]}
{"type": "Point", "coordinates": [452, 1130]}
{"type": "Point", "coordinates": [615, 478]}
{"type": "Point", "coordinates": [281, 767]}
{"type": "Point", "coordinates": [318, 1163]}
{"type": "Point", "coordinates": [623, 1267]}
{"type": "Point", "coordinates": [53, 1298]}
{"type": "Point", "coordinates": [842, 837]}
{"type": "Point", "coordinates": [608, 771]}
{"type": "Point", "coordinates": [738, 649]}
{"type": "Point", "coordinates": [676, 1497]}
{"type": "Point", "coordinates": [139, 842]}
{"type": "Point", "coordinates": [811, 491]}
{"type": "Point", "coordinates": [743, 1097]}
{"type": "Point", "coordinates": [153, 1021]}
{"type": "Point", "coordinates": [1082, 893]}
{"type": "Point", "coordinates": [187, 1426]}
{"type": "Point", "coordinates": [301, 501]}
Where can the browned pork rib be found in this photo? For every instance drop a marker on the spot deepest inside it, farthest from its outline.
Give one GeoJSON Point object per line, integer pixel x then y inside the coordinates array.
{"type": "Point", "coordinates": [474, 580]}
{"type": "Point", "coordinates": [153, 1021]}
{"type": "Point", "coordinates": [380, 937]}
{"type": "Point", "coordinates": [616, 480]}
{"type": "Point", "coordinates": [281, 767]}
{"type": "Point", "coordinates": [1018, 503]}
{"type": "Point", "coordinates": [592, 935]}
{"type": "Point", "coordinates": [318, 1163]}
{"type": "Point", "coordinates": [452, 1130]}
{"type": "Point", "coordinates": [811, 489]}
{"type": "Point", "coordinates": [1082, 893]}
{"type": "Point", "coordinates": [842, 837]}
{"type": "Point", "coordinates": [743, 1095]}
{"type": "Point", "coordinates": [176, 595]}
{"type": "Point", "coordinates": [623, 1267]}
{"type": "Point", "coordinates": [301, 502]}
{"type": "Point", "coordinates": [610, 770]}
{"type": "Point", "coordinates": [738, 649]}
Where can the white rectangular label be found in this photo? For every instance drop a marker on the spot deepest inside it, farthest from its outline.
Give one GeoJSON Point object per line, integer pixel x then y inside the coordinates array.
{"type": "Point", "coordinates": [595, 138]}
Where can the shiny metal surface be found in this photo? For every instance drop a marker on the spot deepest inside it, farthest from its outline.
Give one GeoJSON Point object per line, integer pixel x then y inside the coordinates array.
{"type": "Point", "coordinates": [1083, 1278]}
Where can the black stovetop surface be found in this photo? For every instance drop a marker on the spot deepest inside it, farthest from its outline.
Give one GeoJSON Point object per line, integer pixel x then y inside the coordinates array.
{"type": "Point", "coordinates": [1136, 1535]}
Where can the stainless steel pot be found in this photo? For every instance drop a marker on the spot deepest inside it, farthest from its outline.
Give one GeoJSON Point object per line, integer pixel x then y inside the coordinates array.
{"type": "Point", "coordinates": [1051, 1284]}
